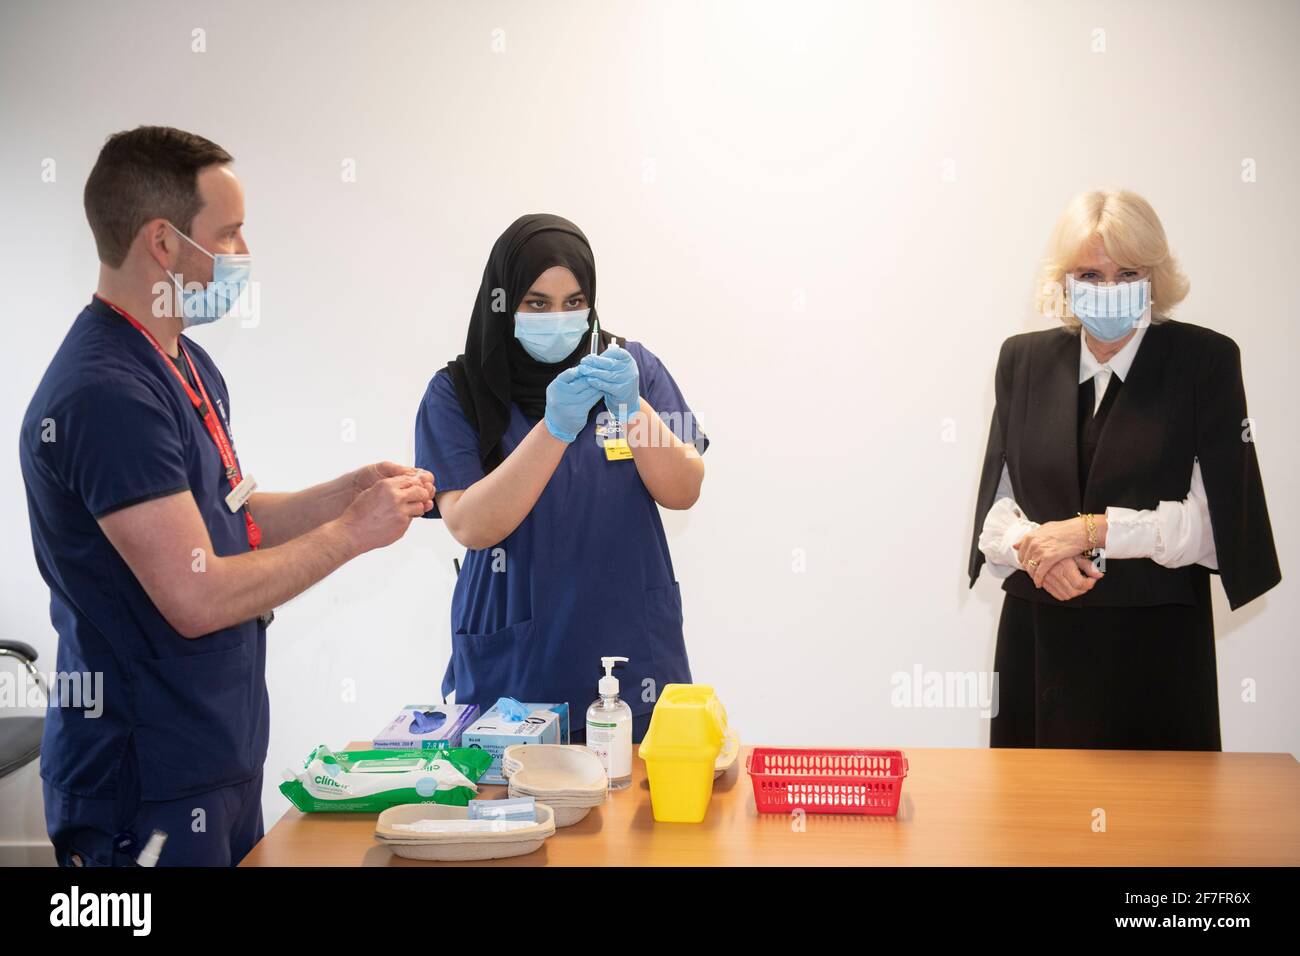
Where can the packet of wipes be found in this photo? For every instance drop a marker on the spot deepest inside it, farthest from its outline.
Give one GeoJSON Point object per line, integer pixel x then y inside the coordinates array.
{"type": "Point", "coordinates": [367, 781]}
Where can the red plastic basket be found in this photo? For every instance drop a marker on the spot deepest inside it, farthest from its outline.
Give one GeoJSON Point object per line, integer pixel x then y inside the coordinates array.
{"type": "Point", "coordinates": [827, 781]}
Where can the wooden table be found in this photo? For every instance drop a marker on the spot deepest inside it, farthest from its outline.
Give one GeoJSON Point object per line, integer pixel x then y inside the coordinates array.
{"type": "Point", "coordinates": [959, 807]}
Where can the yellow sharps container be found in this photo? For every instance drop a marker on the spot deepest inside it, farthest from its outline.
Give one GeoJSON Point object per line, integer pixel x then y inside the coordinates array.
{"type": "Point", "coordinates": [680, 749]}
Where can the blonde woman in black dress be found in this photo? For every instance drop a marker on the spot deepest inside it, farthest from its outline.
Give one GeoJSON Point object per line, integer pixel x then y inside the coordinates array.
{"type": "Point", "coordinates": [1120, 475]}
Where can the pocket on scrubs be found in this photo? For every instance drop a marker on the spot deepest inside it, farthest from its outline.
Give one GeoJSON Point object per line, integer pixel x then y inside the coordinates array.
{"type": "Point", "coordinates": [195, 717]}
{"type": "Point", "coordinates": [663, 620]}
{"type": "Point", "coordinates": [492, 665]}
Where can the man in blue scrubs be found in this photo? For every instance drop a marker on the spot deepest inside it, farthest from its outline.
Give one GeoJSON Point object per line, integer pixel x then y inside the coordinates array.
{"type": "Point", "coordinates": [163, 560]}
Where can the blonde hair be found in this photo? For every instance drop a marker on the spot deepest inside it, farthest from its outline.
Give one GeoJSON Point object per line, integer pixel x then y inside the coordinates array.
{"type": "Point", "coordinates": [1133, 236]}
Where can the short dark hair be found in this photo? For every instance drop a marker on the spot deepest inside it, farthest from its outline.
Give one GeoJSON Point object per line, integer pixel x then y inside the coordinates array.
{"type": "Point", "coordinates": [150, 172]}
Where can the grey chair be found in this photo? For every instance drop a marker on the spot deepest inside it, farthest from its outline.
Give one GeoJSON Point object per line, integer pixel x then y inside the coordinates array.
{"type": "Point", "coordinates": [20, 737]}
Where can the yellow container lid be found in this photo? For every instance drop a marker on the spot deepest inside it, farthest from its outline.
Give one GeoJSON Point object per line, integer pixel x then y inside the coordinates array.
{"type": "Point", "coordinates": [688, 723]}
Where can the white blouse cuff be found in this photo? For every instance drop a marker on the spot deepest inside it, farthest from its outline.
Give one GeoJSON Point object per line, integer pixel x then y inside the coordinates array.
{"type": "Point", "coordinates": [1132, 534]}
{"type": "Point", "coordinates": [1004, 525]}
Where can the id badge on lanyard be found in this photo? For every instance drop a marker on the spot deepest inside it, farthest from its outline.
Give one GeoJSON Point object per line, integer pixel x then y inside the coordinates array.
{"type": "Point", "coordinates": [241, 487]}
{"type": "Point", "coordinates": [614, 440]}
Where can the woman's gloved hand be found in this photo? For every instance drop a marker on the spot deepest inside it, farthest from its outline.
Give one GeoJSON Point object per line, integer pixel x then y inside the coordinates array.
{"type": "Point", "coordinates": [568, 403]}
{"type": "Point", "coordinates": [615, 374]}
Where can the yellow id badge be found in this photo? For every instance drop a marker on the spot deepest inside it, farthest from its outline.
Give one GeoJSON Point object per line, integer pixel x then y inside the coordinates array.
{"type": "Point", "coordinates": [616, 446]}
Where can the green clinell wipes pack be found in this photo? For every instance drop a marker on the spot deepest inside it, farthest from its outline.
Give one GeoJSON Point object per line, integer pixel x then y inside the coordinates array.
{"type": "Point", "coordinates": [368, 781]}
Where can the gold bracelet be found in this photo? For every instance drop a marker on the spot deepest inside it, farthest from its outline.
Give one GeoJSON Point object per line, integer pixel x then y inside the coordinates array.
{"type": "Point", "coordinates": [1091, 528]}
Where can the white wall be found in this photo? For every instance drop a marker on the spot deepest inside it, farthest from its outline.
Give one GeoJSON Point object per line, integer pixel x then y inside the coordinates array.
{"type": "Point", "coordinates": [765, 189]}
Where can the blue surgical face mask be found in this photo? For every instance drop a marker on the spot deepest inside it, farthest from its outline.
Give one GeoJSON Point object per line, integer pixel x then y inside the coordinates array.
{"type": "Point", "coordinates": [229, 277]}
{"type": "Point", "coordinates": [1109, 312]}
{"type": "Point", "coordinates": [551, 337]}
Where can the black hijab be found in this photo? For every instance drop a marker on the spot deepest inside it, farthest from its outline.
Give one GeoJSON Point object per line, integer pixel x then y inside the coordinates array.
{"type": "Point", "coordinates": [494, 369]}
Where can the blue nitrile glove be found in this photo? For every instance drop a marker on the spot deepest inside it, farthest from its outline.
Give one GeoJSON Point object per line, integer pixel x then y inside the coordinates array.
{"type": "Point", "coordinates": [568, 403]}
{"type": "Point", "coordinates": [511, 709]}
{"type": "Point", "coordinates": [614, 372]}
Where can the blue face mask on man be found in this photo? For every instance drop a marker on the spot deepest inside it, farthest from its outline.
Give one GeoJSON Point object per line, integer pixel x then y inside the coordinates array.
{"type": "Point", "coordinates": [230, 274]}
{"type": "Point", "coordinates": [1109, 312]}
{"type": "Point", "coordinates": [551, 337]}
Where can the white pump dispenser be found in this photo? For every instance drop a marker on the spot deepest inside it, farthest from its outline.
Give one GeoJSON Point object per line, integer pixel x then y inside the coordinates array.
{"type": "Point", "coordinates": [609, 728]}
{"type": "Point", "coordinates": [608, 685]}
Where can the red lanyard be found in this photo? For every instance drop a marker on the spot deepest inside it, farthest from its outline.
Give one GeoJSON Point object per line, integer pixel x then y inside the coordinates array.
{"type": "Point", "coordinates": [206, 412]}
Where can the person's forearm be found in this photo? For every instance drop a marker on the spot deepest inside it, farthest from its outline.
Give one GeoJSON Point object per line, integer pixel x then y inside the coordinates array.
{"type": "Point", "coordinates": [234, 589]}
{"type": "Point", "coordinates": [1078, 529]}
{"type": "Point", "coordinates": [490, 509]}
{"type": "Point", "coordinates": [283, 516]}
{"type": "Point", "coordinates": [671, 470]}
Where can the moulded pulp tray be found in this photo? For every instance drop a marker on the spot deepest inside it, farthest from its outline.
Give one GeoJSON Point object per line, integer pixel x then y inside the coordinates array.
{"type": "Point", "coordinates": [567, 777]}
{"type": "Point", "coordinates": [566, 815]}
{"type": "Point", "coordinates": [562, 770]}
{"type": "Point", "coordinates": [458, 846]}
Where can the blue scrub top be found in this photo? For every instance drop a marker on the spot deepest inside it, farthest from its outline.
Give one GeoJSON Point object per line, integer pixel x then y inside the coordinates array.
{"type": "Point", "coordinates": [108, 427]}
{"type": "Point", "coordinates": [587, 573]}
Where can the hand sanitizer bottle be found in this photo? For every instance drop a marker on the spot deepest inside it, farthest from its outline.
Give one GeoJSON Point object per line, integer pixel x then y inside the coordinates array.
{"type": "Point", "coordinates": [609, 728]}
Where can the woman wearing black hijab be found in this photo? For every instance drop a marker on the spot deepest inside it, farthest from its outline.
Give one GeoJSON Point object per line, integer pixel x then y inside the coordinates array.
{"type": "Point", "coordinates": [552, 464]}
